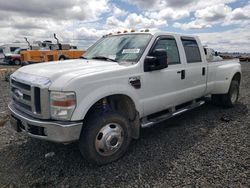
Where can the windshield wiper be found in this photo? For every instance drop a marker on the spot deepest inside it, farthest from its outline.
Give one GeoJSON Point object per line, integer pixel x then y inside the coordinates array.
{"type": "Point", "coordinates": [104, 58]}
{"type": "Point", "coordinates": [82, 57]}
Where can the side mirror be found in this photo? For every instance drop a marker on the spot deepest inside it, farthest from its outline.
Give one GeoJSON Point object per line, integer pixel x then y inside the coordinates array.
{"type": "Point", "coordinates": [157, 61]}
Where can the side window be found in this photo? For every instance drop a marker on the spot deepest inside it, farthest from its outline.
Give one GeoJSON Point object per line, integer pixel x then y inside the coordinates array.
{"type": "Point", "coordinates": [169, 44]}
{"type": "Point", "coordinates": [192, 50]}
{"type": "Point", "coordinates": [12, 49]}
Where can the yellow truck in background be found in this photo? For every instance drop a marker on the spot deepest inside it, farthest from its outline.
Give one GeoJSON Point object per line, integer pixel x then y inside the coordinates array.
{"type": "Point", "coordinates": [47, 51]}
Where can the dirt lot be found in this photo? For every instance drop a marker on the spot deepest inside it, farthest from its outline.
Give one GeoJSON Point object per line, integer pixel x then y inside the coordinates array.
{"type": "Point", "coordinates": [206, 147]}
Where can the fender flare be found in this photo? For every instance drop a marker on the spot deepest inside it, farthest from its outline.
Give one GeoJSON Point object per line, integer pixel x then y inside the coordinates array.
{"type": "Point", "coordinates": [102, 92]}
{"type": "Point", "coordinates": [224, 78]}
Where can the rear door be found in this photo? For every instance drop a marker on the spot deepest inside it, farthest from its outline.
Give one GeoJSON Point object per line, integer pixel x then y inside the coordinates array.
{"type": "Point", "coordinates": [196, 68]}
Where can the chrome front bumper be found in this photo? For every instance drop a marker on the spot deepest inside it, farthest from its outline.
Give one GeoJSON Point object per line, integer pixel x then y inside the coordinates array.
{"type": "Point", "coordinates": [56, 131]}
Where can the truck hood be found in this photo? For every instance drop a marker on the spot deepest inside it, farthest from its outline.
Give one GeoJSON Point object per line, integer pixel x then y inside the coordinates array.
{"type": "Point", "coordinates": [12, 55]}
{"type": "Point", "coordinates": [8, 54]}
{"type": "Point", "coordinates": [68, 69]}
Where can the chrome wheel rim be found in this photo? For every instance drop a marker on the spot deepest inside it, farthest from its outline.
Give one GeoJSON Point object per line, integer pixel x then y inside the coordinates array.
{"type": "Point", "coordinates": [16, 62]}
{"type": "Point", "coordinates": [234, 95]}
{"type": "Point", "coordinates": [109, 139]}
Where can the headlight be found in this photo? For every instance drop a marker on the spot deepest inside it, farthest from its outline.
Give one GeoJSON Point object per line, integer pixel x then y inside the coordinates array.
{"type": "Point", "coordinates": [62, 105]}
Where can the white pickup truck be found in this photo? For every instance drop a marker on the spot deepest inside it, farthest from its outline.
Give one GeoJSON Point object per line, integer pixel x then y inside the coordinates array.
{"type": "Point", "coordinates": [123, 83]}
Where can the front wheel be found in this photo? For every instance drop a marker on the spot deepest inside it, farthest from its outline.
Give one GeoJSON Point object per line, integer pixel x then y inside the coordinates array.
{"type": "Point", "coordinates": [17, 62]}
{"type": "Point", "coordinates": [105, 138]}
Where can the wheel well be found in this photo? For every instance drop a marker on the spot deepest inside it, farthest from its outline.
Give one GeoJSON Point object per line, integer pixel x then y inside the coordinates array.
{"type": "Point", "coordinates": [237, 77]}
{"type": "Point", "coordinates": [62, 56]}
{"type": "Point", "coordinates": [122, 104]}
{"type": "Point", "coordinates": [119, 103]}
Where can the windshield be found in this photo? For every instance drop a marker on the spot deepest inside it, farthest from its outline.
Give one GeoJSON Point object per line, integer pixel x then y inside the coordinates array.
{"type": "Point", "coordinates": [17, 51]}
{"type": "Point", "coordinates": [119, 48]}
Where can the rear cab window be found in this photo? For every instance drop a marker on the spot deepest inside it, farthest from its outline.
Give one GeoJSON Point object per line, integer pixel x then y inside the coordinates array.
{"type": "Point", "coordinates": [191, 49]}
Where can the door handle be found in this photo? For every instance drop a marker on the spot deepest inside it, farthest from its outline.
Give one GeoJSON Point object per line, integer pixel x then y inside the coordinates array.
{"type": "Point", "coordinates": [203, 71]}
{"type": "Point", "coordinates": [183, 74]}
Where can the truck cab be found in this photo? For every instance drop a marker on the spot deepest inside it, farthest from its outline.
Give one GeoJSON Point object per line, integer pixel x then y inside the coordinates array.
{"type": "Point", "coordinates": [124, 82]}
{"type": "Point", "coordinates": [47, 51]}
{"type": "Point", "coordinates": [15, 57]}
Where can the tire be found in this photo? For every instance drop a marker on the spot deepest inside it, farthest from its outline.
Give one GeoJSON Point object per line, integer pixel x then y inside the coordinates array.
{"type": "Point", "coordinates": [62, 58]}
{"type": "Point", "coordinates": [17, 62]}
{"type": "Point", "coordinates": [105, 138]}
{"type": "Point", "coordinates": [231, 98]}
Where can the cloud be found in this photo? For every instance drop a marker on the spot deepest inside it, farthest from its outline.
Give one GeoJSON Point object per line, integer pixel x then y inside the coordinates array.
{"type": "Point", "coordinates": [197, 24]}
{"type": "Point", "coordinates": [179, 9]}
{"type": "Point", "coordinates": [179, 3]}
{"type": "Point", "coordinates": [168, 14]}
{"type": "Point", "coordinates": [235, 40]}
{"type": "Point", "coordinates": [118, 12]}
{"type": "Point", "coordinates": [213, 13]}
{"type": "Point", "coordinates": [134, 21]}
{"type": "Point", "coordinates": [137, 21]}
{"type": "Point", "coordinates": [157, 4]}
{"type": "Point", "coordinates": [217, 14]}
{"type": "Point", "coordinates": [113, 22]}
{"type": "Point", "coordinates": [143, 4]}
{"type": "Point", "coordinates": [242, 13]}
{"type": "Point", "coordinates": [57, 9]}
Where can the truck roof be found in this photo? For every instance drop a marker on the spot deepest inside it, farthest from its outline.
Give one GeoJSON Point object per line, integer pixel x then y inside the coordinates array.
{"type": "Point", "coordinates": [156, 33]}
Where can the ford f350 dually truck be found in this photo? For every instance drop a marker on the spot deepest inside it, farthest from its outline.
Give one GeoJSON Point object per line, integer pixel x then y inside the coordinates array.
{"type": "Point", "coordinates": [123, 83]}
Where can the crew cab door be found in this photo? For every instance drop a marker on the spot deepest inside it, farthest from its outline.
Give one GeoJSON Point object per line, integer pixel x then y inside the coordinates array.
{"type": "Point", "coordinates": [195, 69]}
{"type": "Point", "coordinates": [163, 88]}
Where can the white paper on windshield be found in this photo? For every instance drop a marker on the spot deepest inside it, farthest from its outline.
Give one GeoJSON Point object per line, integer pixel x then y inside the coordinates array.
{"type": "Point", "coordinates": [131, 51]}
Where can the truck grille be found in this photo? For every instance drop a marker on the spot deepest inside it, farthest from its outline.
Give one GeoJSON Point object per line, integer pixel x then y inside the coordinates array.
{"type": "Point", "coordinates": [7, 57]}
{"type": "Point", "coordinates": [30, 99]}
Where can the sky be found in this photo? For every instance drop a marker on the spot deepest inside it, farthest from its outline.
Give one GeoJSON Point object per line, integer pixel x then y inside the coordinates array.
{"type": "Point", "coordinates": [221, 24]}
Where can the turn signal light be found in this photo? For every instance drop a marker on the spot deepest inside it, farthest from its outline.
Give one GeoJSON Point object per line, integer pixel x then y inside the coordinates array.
{"type": "Point", "coordinates": [64, 103]}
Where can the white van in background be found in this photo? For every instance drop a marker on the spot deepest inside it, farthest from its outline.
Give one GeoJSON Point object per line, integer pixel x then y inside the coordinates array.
{"type": "Point", "coordinates": [212, 55]}
{"type": "Point", "coordinates": [1, 54]}
{"type": "Point", "coordinates": [11, 47]}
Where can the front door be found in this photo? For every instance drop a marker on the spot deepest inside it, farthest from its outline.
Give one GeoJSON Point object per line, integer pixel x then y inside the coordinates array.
{"type": "Point", "coordinates": [162, 89]}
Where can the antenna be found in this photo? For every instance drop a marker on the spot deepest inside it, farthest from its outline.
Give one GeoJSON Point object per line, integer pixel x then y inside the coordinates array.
{"type": "Point", "coordinates": [28, 42]}
{"type": "Point", "coordinates": [56, 38]}
{"type": "Point", "coordinates": [59, 44]}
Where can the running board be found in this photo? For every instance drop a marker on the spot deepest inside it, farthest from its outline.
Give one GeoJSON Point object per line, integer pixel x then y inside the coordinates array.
{"type": "Point", "coordinates": [145, 122]}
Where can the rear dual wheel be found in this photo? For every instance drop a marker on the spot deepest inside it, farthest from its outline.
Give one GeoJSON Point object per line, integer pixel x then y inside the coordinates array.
{"type": "Point", "coordinates": [229, 99]}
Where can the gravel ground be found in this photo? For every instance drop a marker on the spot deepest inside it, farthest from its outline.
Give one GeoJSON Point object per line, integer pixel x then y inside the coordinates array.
{"type": "Point", "coordinates": [206, 147]}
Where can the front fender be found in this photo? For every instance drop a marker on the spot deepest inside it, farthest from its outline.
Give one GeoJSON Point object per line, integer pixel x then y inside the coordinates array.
{"type": "Point", "coordinates": [86, 102]}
